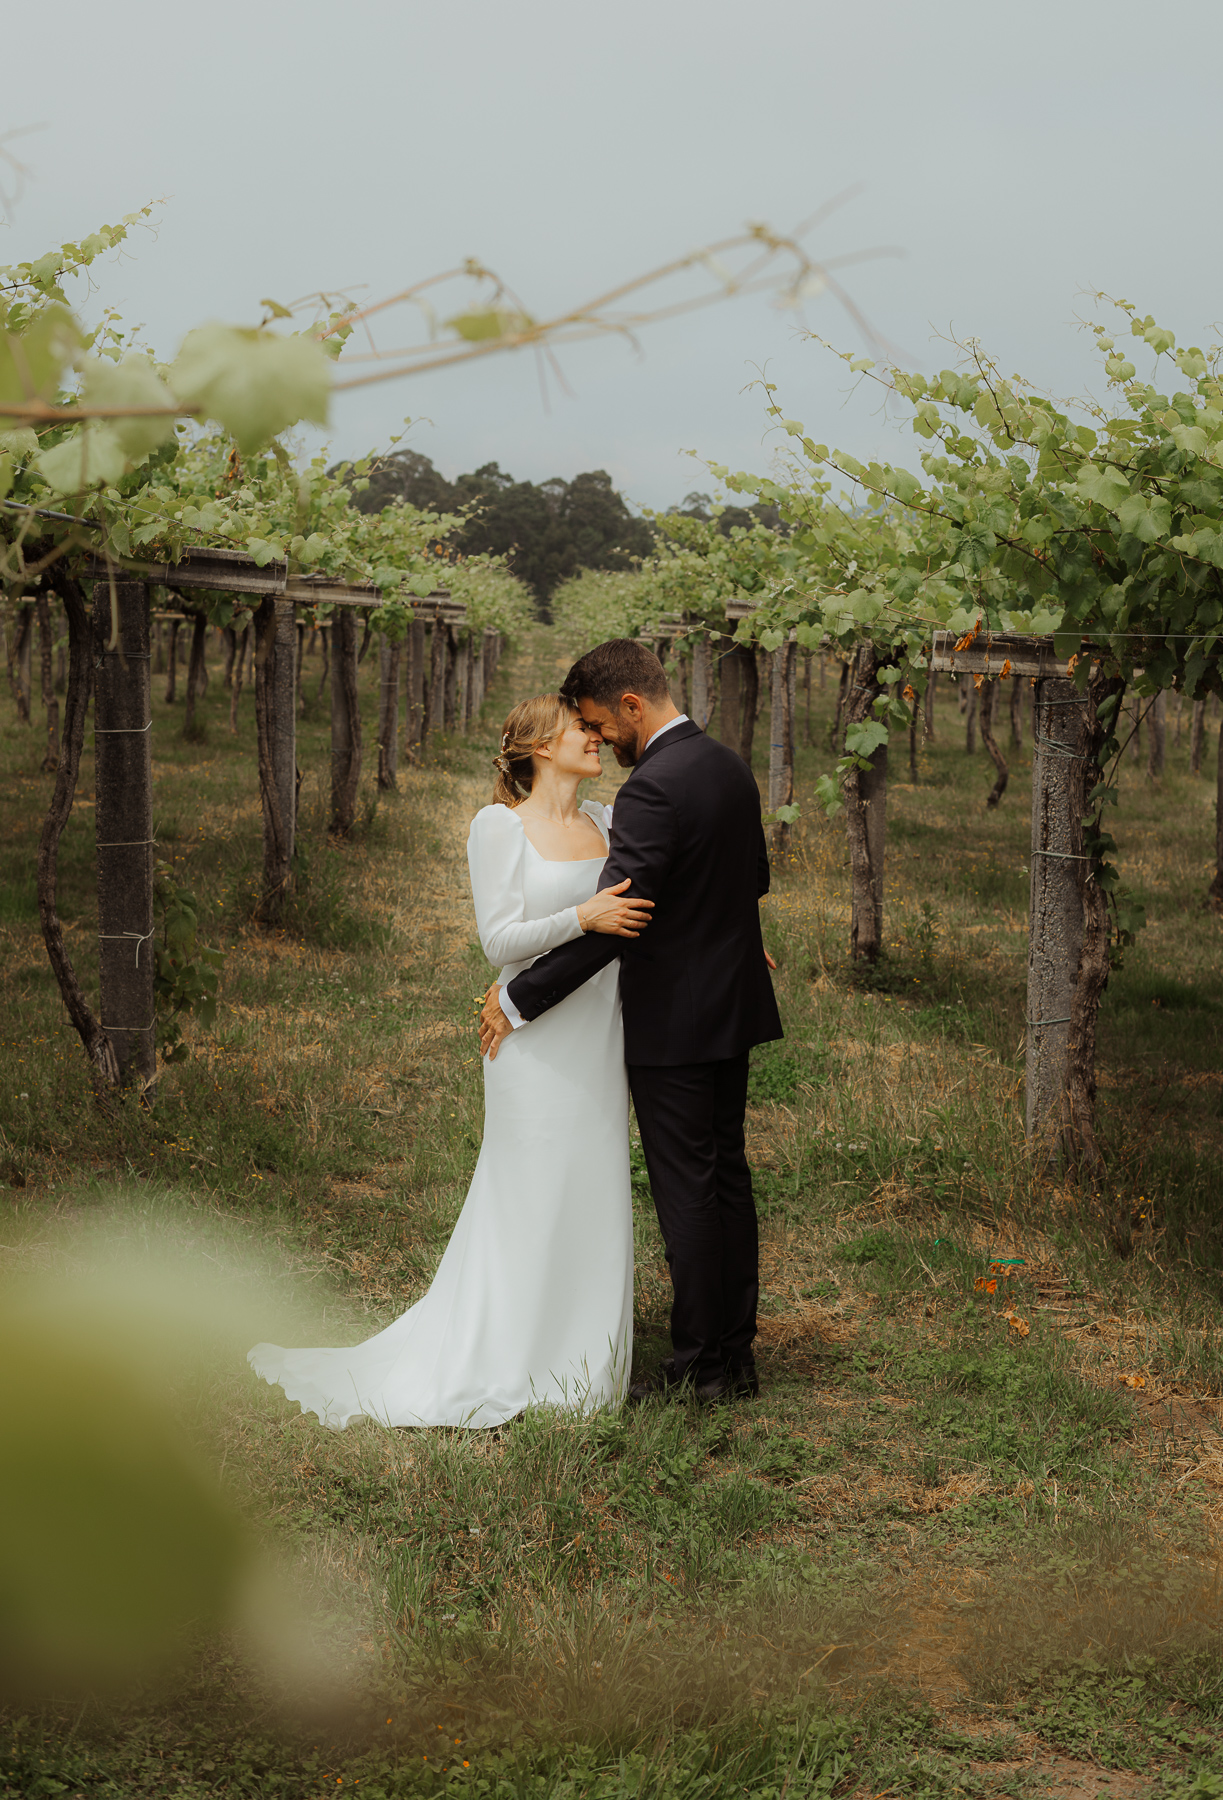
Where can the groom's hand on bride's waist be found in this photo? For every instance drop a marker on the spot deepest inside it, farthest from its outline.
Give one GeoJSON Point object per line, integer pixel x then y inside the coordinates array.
{"type": "Point", "coordinates": [494, 1026]}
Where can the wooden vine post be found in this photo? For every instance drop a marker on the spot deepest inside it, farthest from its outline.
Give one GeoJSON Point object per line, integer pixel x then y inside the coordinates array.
{"type": "Point", "coordinates": [50, 762]}
{"type": "Point", "coordinates": [866, 802]}
{"type": "Point", "coordinates": [1067, 923]}
{"type": "Point", "coordinates": [478, 663]}
{"type": "Point", "coordinates": [702, 681]}
{"type": "Point", "coordinates": [438, 647]}
{"type": "Point", "coordinates": [417, 723]}
{"type": "Point", "coordinates": [1055, 932]}
{"type": "Point", "coordinates": [345, 722]}
{"type": "Point", "coordinates": [174, 623]}
{"type": "Point", "coordinates": [781, 739]}
{"type": "Point", "coordinates": [197, 671]}
{"type": "Point", "coordinates": [123, 820]}
{"type": "Point", "coordinates": [451, 717]}
{"type": "Point", "coordinates": [388, 713]}
{"type": "Point", "coordinates": [989, 693]}
{"type": "Point", "coordinates": [740, 687]}
{"type": "Point", "coordinates": [1214, 893]}
{"type": "Point", "coordinates": [19, 659]}
{"type": "Point", "coordinates": [276, 648]}
{"type": "Point", "coordinates": [490, 653]}
{"type": "Point", "coordinates": [730, 720]}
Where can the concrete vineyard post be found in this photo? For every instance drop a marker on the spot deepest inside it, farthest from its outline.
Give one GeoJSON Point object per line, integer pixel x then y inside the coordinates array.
{"type": "Point", "coordinates": [928, 708]}
{"type": "Point", "coordinates": [1055, 940]}
{"type": "Point", "coordinates": [388, 713]}
{"type": "Point", "coordinates": [276, 655]}
{"type": "Point", "coordinates": [123, 823]}
{"type": "Point", "coordinates": [1016, 715]}
{"type": "Point", "coordinates": [345, 721]}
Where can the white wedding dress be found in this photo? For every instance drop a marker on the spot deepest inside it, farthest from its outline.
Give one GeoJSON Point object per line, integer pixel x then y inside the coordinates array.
{"type": "Point", "coordinates": [532, 1302]}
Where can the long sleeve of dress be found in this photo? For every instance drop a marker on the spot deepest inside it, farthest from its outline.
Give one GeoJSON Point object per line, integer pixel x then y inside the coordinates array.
{"type": "Point", "coordinates": [496, 854]}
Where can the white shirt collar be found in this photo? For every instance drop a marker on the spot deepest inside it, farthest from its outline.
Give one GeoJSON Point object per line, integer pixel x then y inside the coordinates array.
{"type": "Point", "coordinates": [670, 725]}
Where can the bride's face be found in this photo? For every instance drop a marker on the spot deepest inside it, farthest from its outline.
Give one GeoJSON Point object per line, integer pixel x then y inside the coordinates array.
{"type": "Point", "coordinates": [575, 750]}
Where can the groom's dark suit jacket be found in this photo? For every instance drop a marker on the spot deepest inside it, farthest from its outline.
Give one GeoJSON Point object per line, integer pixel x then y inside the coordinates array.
{"type": "Point", "coordinates": [695, 986]}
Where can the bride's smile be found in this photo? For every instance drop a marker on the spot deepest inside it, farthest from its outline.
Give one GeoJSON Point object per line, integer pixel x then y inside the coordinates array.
{"type": "Point", "coordinates": [554, 823]}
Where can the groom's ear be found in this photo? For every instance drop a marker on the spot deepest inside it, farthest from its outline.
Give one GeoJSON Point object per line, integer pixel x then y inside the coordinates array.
{"type": "Point", "coordinates": [633, 706]}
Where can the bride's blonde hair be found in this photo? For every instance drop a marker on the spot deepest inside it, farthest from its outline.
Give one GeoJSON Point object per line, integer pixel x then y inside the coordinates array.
{"type": "Point", "coordinates": [532, 723]}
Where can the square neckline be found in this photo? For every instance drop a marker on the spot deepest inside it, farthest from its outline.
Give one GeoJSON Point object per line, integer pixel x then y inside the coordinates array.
{"type": "Point", "coordinates": [562, 862]}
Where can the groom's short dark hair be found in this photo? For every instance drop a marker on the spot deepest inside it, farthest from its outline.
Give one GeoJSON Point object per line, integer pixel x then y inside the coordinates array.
{"type": "Point", "coordinates": [611, 670]}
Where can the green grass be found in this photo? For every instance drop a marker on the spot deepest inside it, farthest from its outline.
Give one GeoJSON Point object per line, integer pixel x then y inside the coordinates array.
{"type": "Point", "coordinates": [964, 1542]}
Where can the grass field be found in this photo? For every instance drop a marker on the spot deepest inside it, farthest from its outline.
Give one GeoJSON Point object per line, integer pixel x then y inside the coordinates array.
{"type": "Point", "coordinates": [966, 1541]}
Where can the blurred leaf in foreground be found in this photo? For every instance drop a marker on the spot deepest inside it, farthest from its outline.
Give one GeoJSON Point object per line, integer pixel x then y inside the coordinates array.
{"type": "Point", "coordinates": [114, 1545]}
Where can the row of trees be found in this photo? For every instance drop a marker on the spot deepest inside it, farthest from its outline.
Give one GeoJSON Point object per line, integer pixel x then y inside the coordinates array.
{"type": "Point", "coordinates": [545, 531]}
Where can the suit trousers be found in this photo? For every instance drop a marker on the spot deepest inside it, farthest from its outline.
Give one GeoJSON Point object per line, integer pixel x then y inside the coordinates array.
{"type": "Point", "coordinates": [691, 1120]}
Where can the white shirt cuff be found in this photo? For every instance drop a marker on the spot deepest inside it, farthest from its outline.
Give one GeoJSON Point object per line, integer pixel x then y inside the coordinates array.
{"type": "Point", "coordinates": [509, 1009]}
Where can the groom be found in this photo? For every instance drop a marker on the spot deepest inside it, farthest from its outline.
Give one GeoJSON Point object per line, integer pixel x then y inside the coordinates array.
{"type": "Point", "coordinates": [696, 996]}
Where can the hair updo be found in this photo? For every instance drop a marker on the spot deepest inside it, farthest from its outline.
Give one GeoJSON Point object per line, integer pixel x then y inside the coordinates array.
{"type": "Point", "coordinates": [532, 722]}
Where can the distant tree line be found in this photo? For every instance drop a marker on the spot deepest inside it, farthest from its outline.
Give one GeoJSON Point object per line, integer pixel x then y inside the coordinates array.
{"type": "Point", "coordinates": [700, 506]}
{"type": "Point", "coordinates": [548, 530]}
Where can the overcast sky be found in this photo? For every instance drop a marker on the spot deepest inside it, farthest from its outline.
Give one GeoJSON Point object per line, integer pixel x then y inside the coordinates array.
{"type": "Point", "coordinates": [1020, 155]}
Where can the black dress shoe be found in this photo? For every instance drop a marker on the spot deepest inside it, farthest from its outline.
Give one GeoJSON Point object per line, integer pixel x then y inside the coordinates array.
{"type": "Point", "coordinates": [744, 1380]}
{"type": "Point", "coordinates": [716, 1392]}
{"type": "Point", "coordinates": [665, 1384]}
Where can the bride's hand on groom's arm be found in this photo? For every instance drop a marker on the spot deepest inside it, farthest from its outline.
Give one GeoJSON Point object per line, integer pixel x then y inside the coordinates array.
{"type": "Point", "coordinates": [494, 1026]}
{"type": "Point", "coordinates": [614, 912]}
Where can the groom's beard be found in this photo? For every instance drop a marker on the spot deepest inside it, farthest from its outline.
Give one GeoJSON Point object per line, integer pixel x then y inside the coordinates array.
{"type": "Point", "coordinates": [624, 746]}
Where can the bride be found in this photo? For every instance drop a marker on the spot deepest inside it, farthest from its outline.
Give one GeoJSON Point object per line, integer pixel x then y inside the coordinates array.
{"type": "Point", "coordinates": [532, 1302]}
